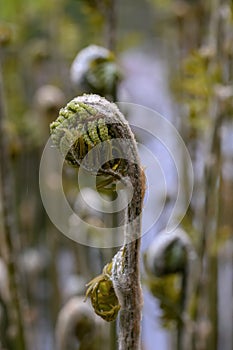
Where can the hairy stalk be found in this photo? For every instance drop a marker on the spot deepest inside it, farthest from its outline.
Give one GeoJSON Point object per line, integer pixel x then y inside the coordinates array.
{"type": "Point", "coordinates": [126, 277]}
{"type": "Point", "coordinates": [88, 121]}
{"type": "Point", "coordinates": [10, 230]}
{"type": "Point", "coordinates": [125, 271]}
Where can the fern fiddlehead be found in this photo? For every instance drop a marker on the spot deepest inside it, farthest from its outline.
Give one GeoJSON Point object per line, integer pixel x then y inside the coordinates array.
{"type": "Point", "coordinates": [90, 123]}
{"type": "Point", "coordinates": [95, 70]}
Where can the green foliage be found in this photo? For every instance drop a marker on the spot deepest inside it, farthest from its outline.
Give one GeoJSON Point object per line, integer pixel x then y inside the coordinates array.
{"type": "Point", "coordinates": [195, 87]}
{"type": "Point", "coordinates": [162, 4]}
{"type": "Point", "coordinates": [44, 36]}
{"type": "Point", "coordinates": [88, 16]}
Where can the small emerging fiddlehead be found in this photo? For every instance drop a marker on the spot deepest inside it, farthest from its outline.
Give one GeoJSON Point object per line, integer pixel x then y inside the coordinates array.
{"type": "Point", "coordinates": [95, 70]}
{"type": "Point", "coordinates": [103, 296]}
{"type": "Point", "coordinates": [169, 263]}
{"type": "Point", "coordinates": [76, 326]}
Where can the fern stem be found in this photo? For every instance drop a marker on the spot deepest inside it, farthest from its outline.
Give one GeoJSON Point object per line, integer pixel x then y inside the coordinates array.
{"type": "Point", "coordinates": [126, 274]}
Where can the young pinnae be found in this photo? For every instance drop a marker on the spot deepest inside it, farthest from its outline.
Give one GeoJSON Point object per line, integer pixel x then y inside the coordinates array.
{"type": "Point", "coordinates": [103, 130]}
{"type": "Point", "coordinates": [92, 131]}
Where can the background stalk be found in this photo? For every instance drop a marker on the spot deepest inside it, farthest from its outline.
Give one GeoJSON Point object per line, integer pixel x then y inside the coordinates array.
{"type": "Point", "coordinates": [10, 233]}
